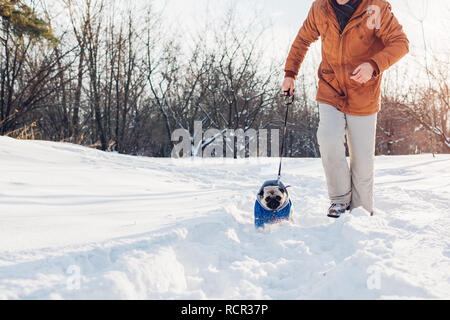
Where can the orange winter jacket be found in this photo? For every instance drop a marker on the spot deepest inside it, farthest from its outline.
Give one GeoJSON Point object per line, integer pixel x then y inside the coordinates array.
{"type": "Point", "coordinates": [372, 35]}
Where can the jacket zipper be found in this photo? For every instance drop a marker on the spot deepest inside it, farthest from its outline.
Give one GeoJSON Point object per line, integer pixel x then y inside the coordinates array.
{"type": "Point", "coordinates": [341, 33]}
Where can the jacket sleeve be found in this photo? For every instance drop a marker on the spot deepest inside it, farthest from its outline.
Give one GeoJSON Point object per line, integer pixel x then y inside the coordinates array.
{"type": "Point", "coordinates": [394, 39]}
{"type": "Point", "coordinates": [307, 35]}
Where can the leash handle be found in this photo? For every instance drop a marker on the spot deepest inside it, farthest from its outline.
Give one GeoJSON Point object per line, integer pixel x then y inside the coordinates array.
{"type": "Point", "coordinates": [288, 100]}
{"type": "Point", "coordinates": [288, 97]}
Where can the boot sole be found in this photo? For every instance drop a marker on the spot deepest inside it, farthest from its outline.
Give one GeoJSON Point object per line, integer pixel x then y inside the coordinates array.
{"type": "Point", "coordinates": [334, 217]}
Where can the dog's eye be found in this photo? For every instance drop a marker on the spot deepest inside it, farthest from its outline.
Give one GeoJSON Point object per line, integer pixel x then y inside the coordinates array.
{"type": "Point", "coordinates": [282, 190]}
{"type": "Point", "coordinates": [268, 199]}
{"type": "Point", "coordinates": [278, 198]}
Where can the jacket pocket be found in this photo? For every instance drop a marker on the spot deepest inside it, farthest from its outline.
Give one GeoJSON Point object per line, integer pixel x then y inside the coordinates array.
{"type": "Point", "coordinates": [363, 95]}
{"type": "Point", "coordinates": [328, 76]}
{"type": "Point", "coordinates": [356, 85]}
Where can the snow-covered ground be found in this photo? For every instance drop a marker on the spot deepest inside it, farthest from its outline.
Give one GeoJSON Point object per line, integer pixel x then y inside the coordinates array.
{"type": "Point", "coordinates": [143, 228]}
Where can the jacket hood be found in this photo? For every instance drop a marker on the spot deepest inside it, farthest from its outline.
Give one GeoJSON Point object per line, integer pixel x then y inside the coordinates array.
{"type": "Point", "coordinates": [277, 183]}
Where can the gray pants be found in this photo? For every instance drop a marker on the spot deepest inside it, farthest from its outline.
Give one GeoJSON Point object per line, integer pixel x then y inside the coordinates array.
{"type": "Point", "coordinates": [346, 184]}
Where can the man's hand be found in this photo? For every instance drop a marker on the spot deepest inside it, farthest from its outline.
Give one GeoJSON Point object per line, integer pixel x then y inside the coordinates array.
{"type": "Point", "coordinates": [288, 85]}
{"type": "Point", "coordinates": [363, 73]}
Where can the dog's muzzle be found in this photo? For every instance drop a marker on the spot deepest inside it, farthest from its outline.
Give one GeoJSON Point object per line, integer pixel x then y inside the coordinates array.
{"type": "Point", "coordinates": [273, 203]}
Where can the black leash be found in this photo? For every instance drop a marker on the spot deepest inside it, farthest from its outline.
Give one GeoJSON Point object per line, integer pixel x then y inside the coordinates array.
{"type": "Point", "coordinates": [289, 100]}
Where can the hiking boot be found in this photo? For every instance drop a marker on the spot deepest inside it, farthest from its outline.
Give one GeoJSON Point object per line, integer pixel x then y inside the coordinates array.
{"type": "Point", "coordinates": [337, 210]}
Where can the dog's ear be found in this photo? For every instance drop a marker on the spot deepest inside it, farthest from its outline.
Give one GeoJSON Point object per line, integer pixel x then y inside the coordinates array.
{"type": "Point", "coordinates": [285, 188]}
{"type": "Point", "coordinates": [261, 194]}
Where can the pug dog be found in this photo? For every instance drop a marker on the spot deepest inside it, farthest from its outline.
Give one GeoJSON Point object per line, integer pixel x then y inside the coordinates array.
{"type": "Point", "coordinates": [274, 197]}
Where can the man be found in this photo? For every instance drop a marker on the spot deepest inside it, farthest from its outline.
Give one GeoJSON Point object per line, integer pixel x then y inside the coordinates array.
{"type": "Point", "coordinates": [360, 40]}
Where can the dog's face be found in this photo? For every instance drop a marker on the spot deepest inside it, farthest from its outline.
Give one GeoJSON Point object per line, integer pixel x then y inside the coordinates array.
{"type": "Point", "coordinates": [273, 197]}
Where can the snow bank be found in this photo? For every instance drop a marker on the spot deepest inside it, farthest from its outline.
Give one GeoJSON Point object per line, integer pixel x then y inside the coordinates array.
{"type": "Point", "coordinates": [78, 223]}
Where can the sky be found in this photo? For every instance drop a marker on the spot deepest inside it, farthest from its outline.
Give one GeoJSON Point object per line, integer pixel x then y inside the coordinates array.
{"type": "Point", "coordinates": [287, 16]}
{"type": "Point", "coordinates": [283, 18]}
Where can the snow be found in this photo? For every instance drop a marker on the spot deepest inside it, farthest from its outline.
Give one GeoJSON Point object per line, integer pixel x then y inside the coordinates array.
{"type": "Point", "coordinates": [77, 223]}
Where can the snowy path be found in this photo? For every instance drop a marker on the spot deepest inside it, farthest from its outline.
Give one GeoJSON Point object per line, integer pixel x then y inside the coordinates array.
{"type": "Point", "coordinates": [141, 228]}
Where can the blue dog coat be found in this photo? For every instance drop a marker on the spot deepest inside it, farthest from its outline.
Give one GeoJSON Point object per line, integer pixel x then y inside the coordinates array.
{"type": "Point", "coordinates": [263, 215]}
